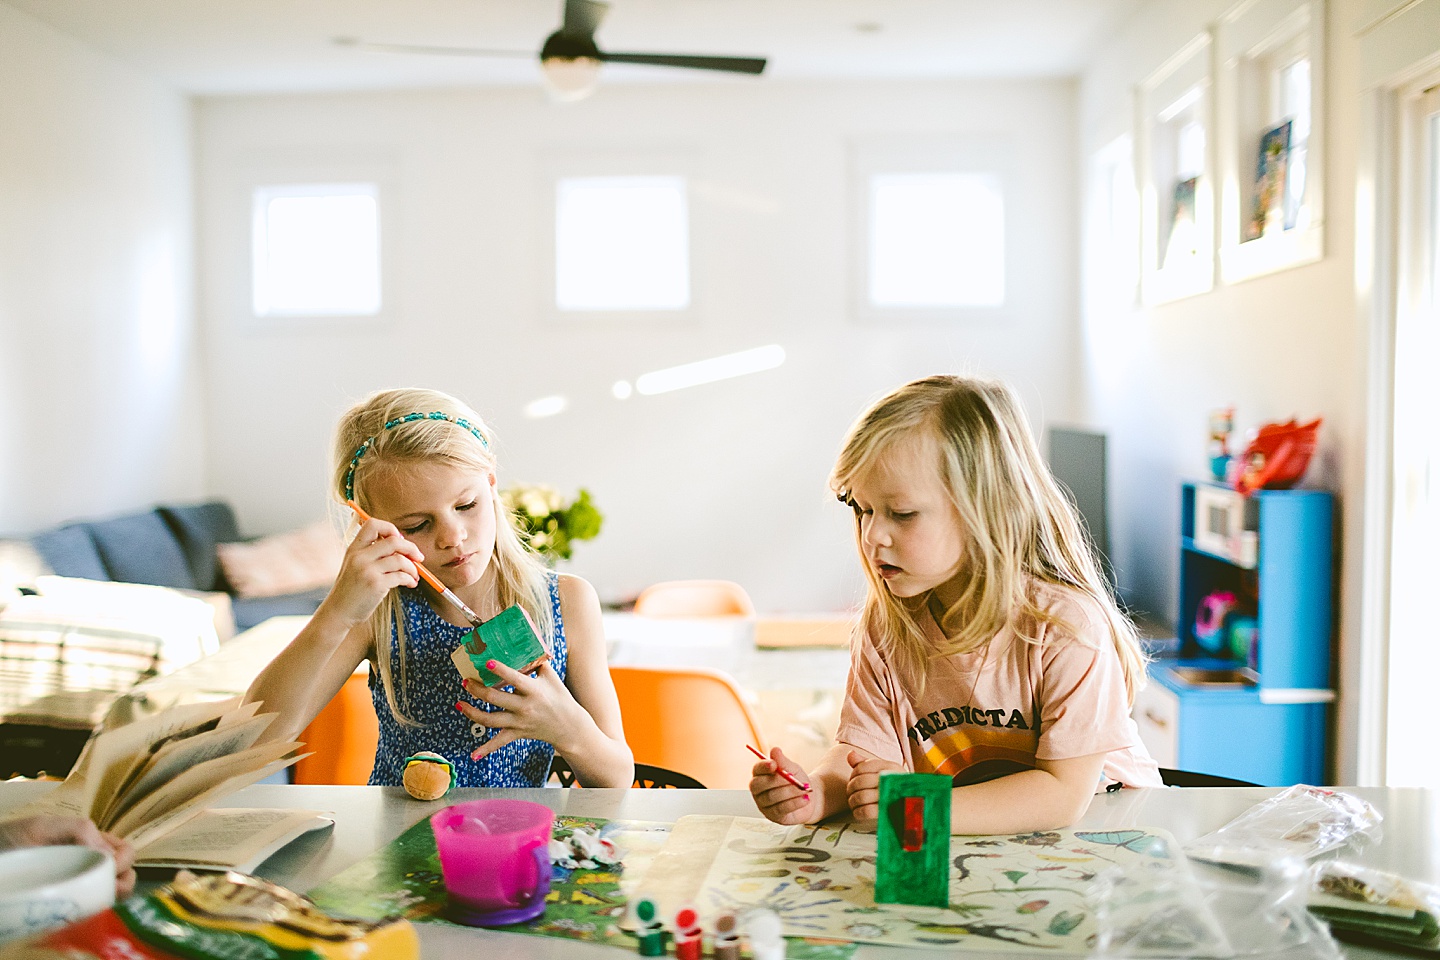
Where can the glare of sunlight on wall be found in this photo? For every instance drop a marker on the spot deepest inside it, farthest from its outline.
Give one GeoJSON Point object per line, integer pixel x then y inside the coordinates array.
{"type": "Point", "coordinates": [545, 407]}
{"type": "Point", "coordinates": [708, 371]}
{"type": "Point", "coordinates": [937, 240]}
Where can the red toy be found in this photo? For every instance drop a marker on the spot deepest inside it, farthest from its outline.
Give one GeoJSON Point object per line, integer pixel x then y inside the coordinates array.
{"type": "Point", "coordinates": [1277, 457]}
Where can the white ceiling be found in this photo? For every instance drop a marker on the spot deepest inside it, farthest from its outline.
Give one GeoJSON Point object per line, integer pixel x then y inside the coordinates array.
{"type": "Point", "coordinates": [219, 47]}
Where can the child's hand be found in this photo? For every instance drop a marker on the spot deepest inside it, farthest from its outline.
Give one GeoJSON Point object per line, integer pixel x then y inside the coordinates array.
{"type": "Point", "coordinates": [779, 799]}
{"type": "Point", "coordinates": [863, 788]}
{"type": "Point", "coordinates": [541, 708]}
{"type": "Point", "coordinates": [377, 560]}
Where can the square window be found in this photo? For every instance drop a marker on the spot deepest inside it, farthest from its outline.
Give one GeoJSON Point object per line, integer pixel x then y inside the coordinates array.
{"type": "Point", "coordinates": [316, 250]}
{"type": "Point", "coordinates": [622, 243]}
{"type": "Point", "coordinates": [936, 240]}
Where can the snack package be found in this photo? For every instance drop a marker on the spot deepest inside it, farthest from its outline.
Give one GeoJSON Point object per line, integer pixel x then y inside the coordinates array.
{"type": "Point", "coordinates": [217, 917]}
{"type": "Point", "coordinates": [1179, 909]}
{"type": "Point", "coordinates": [1302, 821]}
{"type": "Point", "coordinates": [508, 638]}
{"type": "Point", "coordinates": [1373, 904]}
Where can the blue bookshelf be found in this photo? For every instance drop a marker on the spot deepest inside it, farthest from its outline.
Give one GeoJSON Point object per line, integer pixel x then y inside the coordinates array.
{"type": "Point", "coordinates": [1258, 714]}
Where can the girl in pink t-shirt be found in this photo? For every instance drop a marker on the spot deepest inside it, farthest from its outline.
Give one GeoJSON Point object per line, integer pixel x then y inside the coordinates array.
{"type": "Point", "coordinates": [990, 648]}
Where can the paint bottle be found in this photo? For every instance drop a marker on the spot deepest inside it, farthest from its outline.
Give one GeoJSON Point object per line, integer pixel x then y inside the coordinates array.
{"type": "Point", "coordinates": [649, 930]}
{"type": "Point", "coordinates": [687, 934]}
{"type": "Point", "coordinates": [727, 936]}
{"type": "Point", "coordinates": [763, 928]}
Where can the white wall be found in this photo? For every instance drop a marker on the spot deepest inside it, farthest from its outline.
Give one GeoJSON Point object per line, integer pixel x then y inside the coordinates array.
{"type": "Point", "coordinates": [1278, 346]}
{"type": "Point", "coordinates": [99, 400]}
{"type": "Point", "coordinates": [725, 480]}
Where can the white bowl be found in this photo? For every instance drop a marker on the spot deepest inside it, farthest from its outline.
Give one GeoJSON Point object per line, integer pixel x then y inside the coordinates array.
{"type": "Point", "coordinates": [46, 887]}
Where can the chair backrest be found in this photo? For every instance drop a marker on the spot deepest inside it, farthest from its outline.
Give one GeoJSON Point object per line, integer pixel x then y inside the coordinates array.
{"type": "Point", "coordinates": [1185, 778]}
{"type": "Point", "coordinates": [689, 720]}
{"type": "Point", "coordinates": [694, 598]}
{"type": "Point", "coordinates": [343, 736]}
{"type": "Point", "coordinates": [646, 777]}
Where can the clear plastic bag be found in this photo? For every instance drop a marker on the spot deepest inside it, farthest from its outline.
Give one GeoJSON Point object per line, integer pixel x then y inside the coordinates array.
{"type": "Point", "coordinates": [1301, 822]}
{"type": "Point", "coordinates": [1373, 904]}
{"type": "Point", "coordinates": [1194, 910]}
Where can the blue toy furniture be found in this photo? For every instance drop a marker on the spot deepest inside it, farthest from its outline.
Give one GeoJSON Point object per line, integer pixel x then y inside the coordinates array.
{"type": "Point", "coordinates": [1257, 709]}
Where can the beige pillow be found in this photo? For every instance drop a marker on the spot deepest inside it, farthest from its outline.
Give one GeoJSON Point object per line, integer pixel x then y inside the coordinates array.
{"type": "Point", "coordinates": [284, 563]}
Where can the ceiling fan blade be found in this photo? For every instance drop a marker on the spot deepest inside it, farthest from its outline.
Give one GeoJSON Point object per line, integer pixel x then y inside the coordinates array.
{"type": "Point", "coordinates": [753, 65]}
{"type": "Point", "coordinates": [430, 49]}
{"type": "Point", "coordinates": [582, 17]}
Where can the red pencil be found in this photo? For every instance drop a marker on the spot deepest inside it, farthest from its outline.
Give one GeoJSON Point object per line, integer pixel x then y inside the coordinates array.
{"type": "Point", "coordinates": [787, 776]}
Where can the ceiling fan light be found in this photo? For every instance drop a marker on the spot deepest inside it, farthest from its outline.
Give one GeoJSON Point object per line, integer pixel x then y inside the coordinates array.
{"type": "Point", "coordinates": [570, 78]}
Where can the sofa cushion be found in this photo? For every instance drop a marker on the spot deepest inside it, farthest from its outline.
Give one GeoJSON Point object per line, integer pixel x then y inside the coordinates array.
{"type": "Point", "coordinates": [250, 611]}
{"type": "Point", "coordinates": [139, 548]}
{"type": "Point", "coordinates": [283, 563]}
{"type": "Point", "coordinates": [198, 528]}
{"type": "Point", "coordinates": [70, 551]}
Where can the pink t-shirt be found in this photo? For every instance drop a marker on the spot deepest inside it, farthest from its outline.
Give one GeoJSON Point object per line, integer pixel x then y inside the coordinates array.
{"type": "Point", "coordinates": [998, 709]}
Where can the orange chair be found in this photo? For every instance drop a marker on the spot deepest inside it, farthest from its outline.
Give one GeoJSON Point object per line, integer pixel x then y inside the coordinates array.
{"type": "Point", "coordinates": [689, 720]}
{"type": "Point", "coordinates": [343, 736]}
{"type": "Point", "coordinates": [694, 598]}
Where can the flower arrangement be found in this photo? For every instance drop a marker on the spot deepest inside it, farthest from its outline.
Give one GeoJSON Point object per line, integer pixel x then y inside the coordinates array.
{"type": "Point", "coordinates": [549, 523]}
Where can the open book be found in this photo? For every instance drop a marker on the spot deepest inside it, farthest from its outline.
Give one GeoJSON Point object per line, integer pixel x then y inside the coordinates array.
{"type": "Point", "coordinates": [152, 782]}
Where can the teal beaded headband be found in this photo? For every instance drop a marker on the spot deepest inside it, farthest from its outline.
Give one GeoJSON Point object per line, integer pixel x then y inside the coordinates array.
{"type": "Point", "coordinates": [408, 418]}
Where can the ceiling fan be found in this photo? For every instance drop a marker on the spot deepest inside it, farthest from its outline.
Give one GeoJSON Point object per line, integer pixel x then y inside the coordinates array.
{"type": "Point", "coordinates": [570, 58]}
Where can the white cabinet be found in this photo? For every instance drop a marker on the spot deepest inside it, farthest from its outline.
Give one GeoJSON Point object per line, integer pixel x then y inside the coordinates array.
{"type": "Point", "coordinates": [1157, 715]}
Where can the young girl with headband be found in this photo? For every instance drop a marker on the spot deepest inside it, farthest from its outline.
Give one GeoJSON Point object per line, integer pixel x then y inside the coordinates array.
{"type": "Point", "coordinates": [420, 464]}
{"type": "Point", "coordinates": [989, 648]}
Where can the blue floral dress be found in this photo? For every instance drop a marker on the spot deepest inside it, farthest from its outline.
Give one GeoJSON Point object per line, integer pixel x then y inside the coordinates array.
{"type": "Point", "coordinates": [429, 695]}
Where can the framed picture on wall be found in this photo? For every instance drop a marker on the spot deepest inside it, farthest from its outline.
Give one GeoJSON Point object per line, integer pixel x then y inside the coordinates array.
{"type": "Point", "coordinates": [1270, 81]}
{"type": "Point", "coordinates": [1174, 173]}
{"type": "Point", "coordinates": [1183, 241]}
{"type": "Point", "coordinates": [1269, 209]}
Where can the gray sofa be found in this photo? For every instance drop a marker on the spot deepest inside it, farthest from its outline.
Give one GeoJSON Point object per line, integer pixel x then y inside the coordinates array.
{"type": "Point", "coordinates": [169, 546]}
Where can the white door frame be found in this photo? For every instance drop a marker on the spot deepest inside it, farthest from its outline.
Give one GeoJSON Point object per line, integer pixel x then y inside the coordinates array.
{"type": "Point", "coordinates": [1391, 67]}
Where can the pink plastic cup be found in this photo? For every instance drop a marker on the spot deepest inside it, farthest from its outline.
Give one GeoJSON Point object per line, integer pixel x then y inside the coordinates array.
{"type": "Point", "coordinates": [495, 858]}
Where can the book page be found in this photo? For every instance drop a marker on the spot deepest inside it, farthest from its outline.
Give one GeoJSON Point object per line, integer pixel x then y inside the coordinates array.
{"type": "Point", "coordinates": [198, 780]}
{"type": "Point", "coordinates": [233, 838]}
{"type": "Point", "coordinates": [177, 756]}
{"type": "Point", "coordinates": [111, 757]}
{"type": "Point", "coordinates": [148, 831]}
{"type": "Point", "coordinates": [115, 755]}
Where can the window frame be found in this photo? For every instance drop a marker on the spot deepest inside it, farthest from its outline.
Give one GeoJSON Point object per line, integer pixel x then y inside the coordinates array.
{"type": "Point", "coordinates": [1181, 87]}
{"type": "Point", "coordinates": [1255, 40]}
{"type": "Point", "coordinates": [986, 155]}
{"type": "Point", "coordinates": [309, 190]}
{"type": "Point", "coordinates": [680, 162]}
{"type": "Point", "coordinates": [270, 168]}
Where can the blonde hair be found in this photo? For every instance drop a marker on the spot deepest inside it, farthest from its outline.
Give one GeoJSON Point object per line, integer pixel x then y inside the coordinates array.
{"type": "Point", "coordinates": [521, 577]}
{"type": "Point", "coordinates": [1019, 527]}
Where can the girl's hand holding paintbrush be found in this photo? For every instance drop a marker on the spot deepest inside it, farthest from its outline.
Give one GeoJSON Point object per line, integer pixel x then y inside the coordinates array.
{"type": "Point", "coordinates": [781, 788]}
{"type": "Point", "coordinates": [377, 560]}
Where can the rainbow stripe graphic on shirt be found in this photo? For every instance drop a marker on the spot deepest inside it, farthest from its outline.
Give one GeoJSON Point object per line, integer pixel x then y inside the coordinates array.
{"type": "Point", "coordinates": [967, 750]}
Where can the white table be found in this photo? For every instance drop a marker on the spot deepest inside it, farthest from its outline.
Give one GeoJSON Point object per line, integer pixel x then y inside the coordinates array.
{"type": "Point", "coordinates": [370, 817]}
{"type": "Point", "coordinates": [722, 643]}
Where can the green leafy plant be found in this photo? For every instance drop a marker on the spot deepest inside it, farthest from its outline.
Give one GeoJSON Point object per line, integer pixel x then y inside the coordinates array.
{"type": "Point", "coordinates": [549, 523]}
